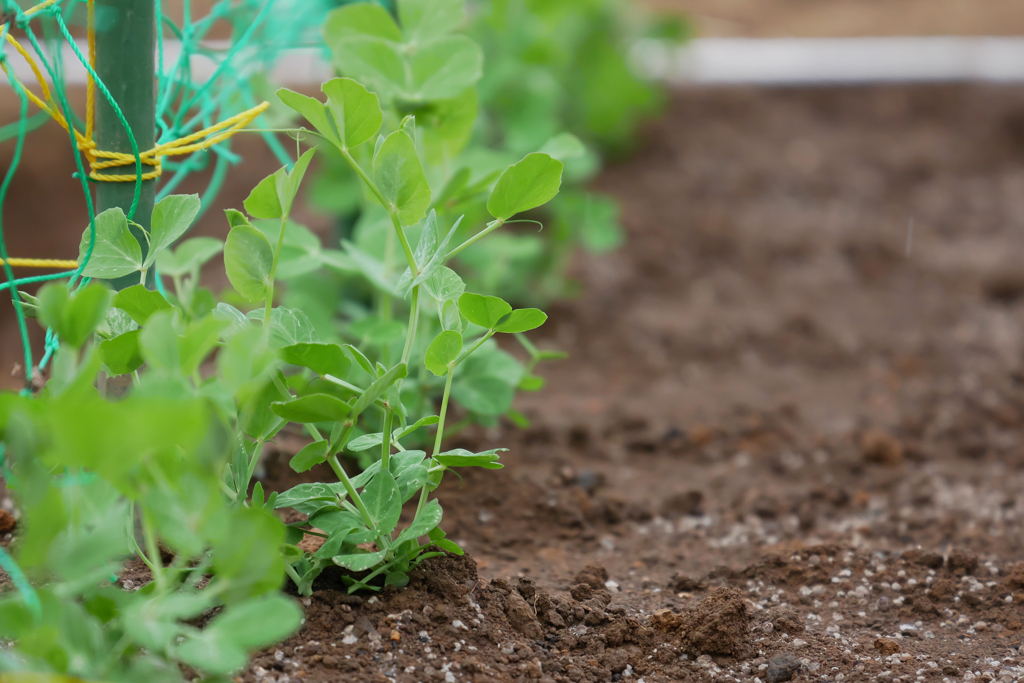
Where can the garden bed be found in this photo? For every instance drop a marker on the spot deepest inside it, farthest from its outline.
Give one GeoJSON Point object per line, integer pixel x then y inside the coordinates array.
{"type": "Point", "coordinates": [765, 394]}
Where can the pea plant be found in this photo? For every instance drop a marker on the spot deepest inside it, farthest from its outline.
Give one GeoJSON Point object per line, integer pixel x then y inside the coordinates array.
{"type": "Point", "coordinates": [355, 294]}
{"type": "Point", "coordinates": [393, 175]}
{"type": "Point", "coordinates": [522, 76]}
{"type": "Point", "coordinates": [100, 480]}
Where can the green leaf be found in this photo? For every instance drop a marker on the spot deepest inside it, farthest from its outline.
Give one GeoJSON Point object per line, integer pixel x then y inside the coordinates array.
{"type": "Point", "coordinates": [446, 129]}
{"type": "Point", "coordinates": [73, 317]}
{"type": "Point", "coordinates": [430, 254]}
{"type": "Point", "coordinates": [444, 284]}
{"type": "Point", "coordinates": [122, 354]}
{"type": "Point", "coordinates": [367, 441]}
{"type": "Point", "coordinates": [199, 340]}
{"type": "Point", "coordinates": [361, 20]}
{"type": "Point", "coordinates": [399, 176]}
{"type": "Point", "coordinates": [288, 188]}
{"type": "Point", "coordinates": [140, 303]}
{"type": "Point", "coordinates": [445, 348]}
{"type": "Point", "coordinates": [190, 255]}
{"type": "Point", "coordinates": [531, 383]}
{"type": "Point", "coordinates": [312, 408]}
{"type": "Point", "coordinates": [563, 147]}
{"type": "Point", "coordinates": [322, 358]}
{"type": "Point", "coordinates": [356, 111]}
{"type": "Point", "coordinates": [377, 389]}
{"type": "Point", "coordinates": [438, 537]}
{"type": "Point", "coordinates": [231, 315]}
{"type": "Point", "coordinates": [460, 457]}
{"type": "Point", "coordinates": [172, 216]}
{"type": "Point", "coordinates": [483, 395]}
{"type": "Point", "coordinates": [333, 521]}
{"type": "Point", "coordinates": [288, 326]}
{"type": "Point", "coordinates": [246, 556]}
{"type": "Point", "coordinates": [332, 545]}
{"type": "Point", "coordinates": [451, 319]}
{"type": "Point", "coordinates": [525, 185]}
{"type": "Point", "coordinates": [411, 480]}
{"type": "Point", "coordinates": [423, 20]}
{"type": "Point", "coordinates": [211, 655]}
{"type": "Point", "coordinates": [361, 358]}
{"type": "Point", "coordinates": [258, 496]}
{"type": "Point", "coordinates": [383, 502]}
{"type": "Point", "coordinates": [117, 253]}
{"type": "Point", "coordinates": [313, 454]}
{"type": "Point", "coordinates": [485, 311]}
{"type": "Point", "coordinates": [256, 622]}
{"type": "Point", "coordinates": [428, 518]}
{"type": "Point", "coordinates": [443, 68]}
{"type": "Point", "coordinates": [313, 110]}
{"type": "Point", "coordinates": [359, 561]}
{"type": "Point", "coordinates": [263, 201]}
{"type": "Point", "coordinates": [522, 320]}
{"type": "Point", "coordinates": [247, 260]}
{"type": "Point", "coordinates": [159, 342]}
{"type": "Point", "coordinates": [236, 217]}
{"type": "Point", "coordinates": [307, 498]}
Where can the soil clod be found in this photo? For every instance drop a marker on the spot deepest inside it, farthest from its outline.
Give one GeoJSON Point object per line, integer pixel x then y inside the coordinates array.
{"type": "Point", "coordinates": [887, 646]}
{"type": "Point", "coordinates": [719, 624]}
{"type": "Point", "coordinates": [881, 447]}
{"type": "Point", "coordinates": [594, 575]}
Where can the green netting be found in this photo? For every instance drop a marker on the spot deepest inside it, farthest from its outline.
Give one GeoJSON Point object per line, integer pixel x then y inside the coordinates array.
{"type": "Point", "coordinates": [260, 29]}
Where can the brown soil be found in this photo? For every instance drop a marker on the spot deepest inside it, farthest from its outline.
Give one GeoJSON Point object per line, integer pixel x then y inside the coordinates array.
{"type": "Point", "coordinates": [783, 447]}
{"type": "Point", "coordinates": [812, 18]}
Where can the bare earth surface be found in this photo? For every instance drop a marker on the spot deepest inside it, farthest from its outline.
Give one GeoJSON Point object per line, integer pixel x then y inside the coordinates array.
{"type": "Point", "coordinates": [804, 18]}
{"type": "Point", "coordinates": [788, 443]}
{"type": "Point", "coordinates": [792, 450]}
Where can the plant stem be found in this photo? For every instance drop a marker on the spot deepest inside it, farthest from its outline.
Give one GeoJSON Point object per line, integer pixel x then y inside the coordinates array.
{"type": "Point", "coordinates": [252, 467]}
{"type": "Point", "coordinates": [491, 227]}
{"type": "Point", "coordinates": [444, 411]}
{"type": "Point", "coordinates": [155, 564]}
{"type": "Point", "coordinates": [273, 273]}
{"type": "Point", "coordinates": [292, 574]}
{"type": "Point", "coordinates": [440, 435]}
{"type": "Point", "coordinates": [385, 442]}
{"type": "Point", "coordinates": [414, 317]}
{"type": "Point", "coordinates": [339, 471]}
{"type": "Point", "coordinates": [391, 212]}
{"type": "Point", "coordinates": [410, 338]}
{"type": "Point", "coordinates": [465, 354]}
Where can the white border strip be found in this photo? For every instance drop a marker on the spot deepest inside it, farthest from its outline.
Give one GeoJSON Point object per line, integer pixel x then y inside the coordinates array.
{"type": "Point", "coordinates": [767, 61]}
{"type": "Point", "coordinates": [803, 61]}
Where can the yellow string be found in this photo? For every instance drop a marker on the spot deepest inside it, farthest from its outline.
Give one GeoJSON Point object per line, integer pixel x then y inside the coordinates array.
{"type": "Point", "coordinates": [40, 263]}
{"type": "Point", "coordinates": [99, 160]}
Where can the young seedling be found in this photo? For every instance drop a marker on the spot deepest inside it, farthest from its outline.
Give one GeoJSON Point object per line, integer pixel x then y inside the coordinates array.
{"type": "Point", "coordinates": [366, 508]}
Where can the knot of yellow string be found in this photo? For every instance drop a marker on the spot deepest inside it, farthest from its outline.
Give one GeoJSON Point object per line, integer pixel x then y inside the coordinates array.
{"type": "Point", "coordinates": [101, 160]}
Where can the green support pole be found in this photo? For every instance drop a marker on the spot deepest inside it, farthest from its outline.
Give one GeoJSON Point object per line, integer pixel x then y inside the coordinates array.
{"type": "Point", "coordinates": [126, 63]}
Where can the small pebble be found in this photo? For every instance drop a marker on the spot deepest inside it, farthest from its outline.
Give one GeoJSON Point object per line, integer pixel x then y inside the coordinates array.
{"type": "Point", "coordinates": [783, 666]}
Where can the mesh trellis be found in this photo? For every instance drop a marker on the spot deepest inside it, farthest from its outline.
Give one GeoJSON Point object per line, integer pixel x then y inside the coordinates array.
{"type": "Point", "coordinates": [195, 119]}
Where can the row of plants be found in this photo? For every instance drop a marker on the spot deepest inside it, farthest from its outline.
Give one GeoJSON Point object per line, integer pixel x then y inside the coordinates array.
{"type": "Point", "coordinates": [146, 437]}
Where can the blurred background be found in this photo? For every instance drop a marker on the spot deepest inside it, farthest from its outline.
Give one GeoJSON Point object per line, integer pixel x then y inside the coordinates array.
{"type": "Point", "coordinates": [844, 18]}
{"type": "Point", "coordinates": [44, 214]}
